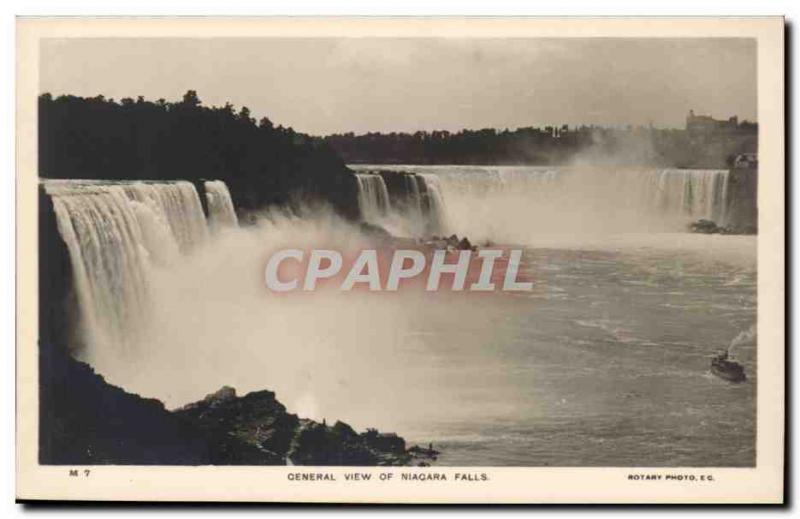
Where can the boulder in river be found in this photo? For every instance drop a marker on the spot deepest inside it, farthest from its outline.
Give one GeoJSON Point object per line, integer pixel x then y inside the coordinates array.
{"type": "Point", "coordinates": [464, 244]}
{"type": "Point", "coordinates": [704, 227]}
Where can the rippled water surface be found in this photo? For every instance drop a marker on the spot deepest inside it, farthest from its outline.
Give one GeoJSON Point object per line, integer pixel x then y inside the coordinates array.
{"type": "Point", "coordinates": [605, 363]}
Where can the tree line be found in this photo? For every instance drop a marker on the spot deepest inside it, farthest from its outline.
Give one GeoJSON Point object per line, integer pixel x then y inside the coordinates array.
{"type": "Point", "coordinates": [99, 138]}
{"type": "Point", "coordinates": [550, 146]}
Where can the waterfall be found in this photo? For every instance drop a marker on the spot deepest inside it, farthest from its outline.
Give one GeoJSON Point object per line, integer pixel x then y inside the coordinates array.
{"type": "Point", "coordinates": [683, 193]}
{"type": "Point", "coordinates": [115, 233]}
{"type": "Point", "coordinates": [694, 194]}
{"type": "Point", "coordinates": [414, 197]}
{"type": "Point", "coordinates": [221, 212]}
{"type": "Point", "coordinates": [175, 203]}
{"type": "Point", "coordinates": [690, 193]}
{"type": "Point", "coordinates": [373, 197]}
{"type": "Point", "coordinates": [435, 203]}
{"type": "Point", "coordinates": [520, 203]}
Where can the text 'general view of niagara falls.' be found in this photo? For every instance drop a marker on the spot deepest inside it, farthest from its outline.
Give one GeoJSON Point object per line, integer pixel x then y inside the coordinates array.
{"type": "Point", "coordinates": [407, 252]}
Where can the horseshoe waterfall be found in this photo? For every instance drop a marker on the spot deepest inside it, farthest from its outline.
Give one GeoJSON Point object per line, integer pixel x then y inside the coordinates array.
{"type": "Point", "coordinates": [514, 203]}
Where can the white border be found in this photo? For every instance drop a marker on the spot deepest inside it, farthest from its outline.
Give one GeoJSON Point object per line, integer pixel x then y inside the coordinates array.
{"type": "Point", "coordinates": [767, 257]}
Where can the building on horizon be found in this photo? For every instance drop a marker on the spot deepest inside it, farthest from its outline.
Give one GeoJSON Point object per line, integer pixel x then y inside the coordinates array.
{"type": "Point", "coordinates": [707, 124]}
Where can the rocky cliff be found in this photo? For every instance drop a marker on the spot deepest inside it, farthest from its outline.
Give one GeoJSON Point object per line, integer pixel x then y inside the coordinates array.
{"type": "Point", "coordinates": [86, 421]}
{"type": "Point", "coordinates": [259, 421]}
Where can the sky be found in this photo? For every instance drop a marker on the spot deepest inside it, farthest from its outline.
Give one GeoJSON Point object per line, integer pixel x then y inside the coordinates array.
{"type": "Point", "coordinates": [323, 86]}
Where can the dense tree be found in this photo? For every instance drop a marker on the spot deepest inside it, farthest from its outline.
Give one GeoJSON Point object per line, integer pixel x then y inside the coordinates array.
{"type": "Point", "coordinates": [96, 138]}
{"type": "Point", "coordinates": [549, 146]}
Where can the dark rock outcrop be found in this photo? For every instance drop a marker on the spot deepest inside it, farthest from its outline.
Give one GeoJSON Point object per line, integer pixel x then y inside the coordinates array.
{"type": "Point", "coordinates": [86, 421]}
{"type": "Point", "coordinates": [742, 197]}
{"type": "Point", "coordinates": [708, 227]}
{"type": "Point", "coordinates": [451, 242]}
{"type": "Point", "coordinates": [318, 444]}
{"type": "Point", "coordinates": [58, 301]}
{"type": "Point", "coordinates": [705, 227]}
{"type": "Point", "coordinates": [256, 420]}
{"type": "Point", "coordinates": [259, 421]}
{"type": "Point", "coordinates": [398, 185]}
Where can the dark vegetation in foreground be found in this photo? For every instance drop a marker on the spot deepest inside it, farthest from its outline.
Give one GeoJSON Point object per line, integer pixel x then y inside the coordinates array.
{"type": "Point", "coordinates": [263, 165]}
{"type": "Point", "coordinates": [86, 421]}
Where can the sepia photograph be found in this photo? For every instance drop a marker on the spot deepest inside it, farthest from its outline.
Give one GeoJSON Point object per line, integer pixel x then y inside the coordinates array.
{"type": "Point", "coordinates": [354, 252]}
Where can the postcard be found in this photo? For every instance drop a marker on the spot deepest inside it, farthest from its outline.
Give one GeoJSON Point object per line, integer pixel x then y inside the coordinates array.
{"type": "Point", "coordinates": [401, 260]}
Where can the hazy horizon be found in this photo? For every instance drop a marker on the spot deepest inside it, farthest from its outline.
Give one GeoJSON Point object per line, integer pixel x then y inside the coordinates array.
{"type": "Point", "coordinates": [360, 85]}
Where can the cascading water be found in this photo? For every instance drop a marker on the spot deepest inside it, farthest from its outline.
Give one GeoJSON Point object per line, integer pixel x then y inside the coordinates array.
{"type": "Point", "coordinates": [413, 206]}
{"type": "Point", "coordinates": [514, 203]}
{"type": "Point", "coordinates": [115, 233]}
{"type": "Point", "coordinates": [175, 203]}
{"type": "Point", "coordinates": [414, 196]}
{"type": "Point", "coordinates": [373, 197]}
{"type": "Point", "coordinates": [435, 202]}
{"type": "Point", "coordinates": [692, 193]}
{"type": "Point", "coordinates": [221, 213]}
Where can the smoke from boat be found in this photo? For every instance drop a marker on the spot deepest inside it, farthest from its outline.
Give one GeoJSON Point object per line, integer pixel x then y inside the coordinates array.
{"type": "Point", "coordinates": [743, 337]}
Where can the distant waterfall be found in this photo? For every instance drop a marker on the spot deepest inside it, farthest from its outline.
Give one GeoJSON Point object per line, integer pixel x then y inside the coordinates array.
{"type": "Point", "coordinates": [693, 193]}
{"type": "Point", "coordinates": [520, 203]}
{"type": "Point", "coordinates": [410, 204]}
{"type": "Point", "coordinates": [221, 212]}
{"type": "Point", "coordinates": [115, 233]}
{"type": "Point", "coordinates": [373, 197]}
